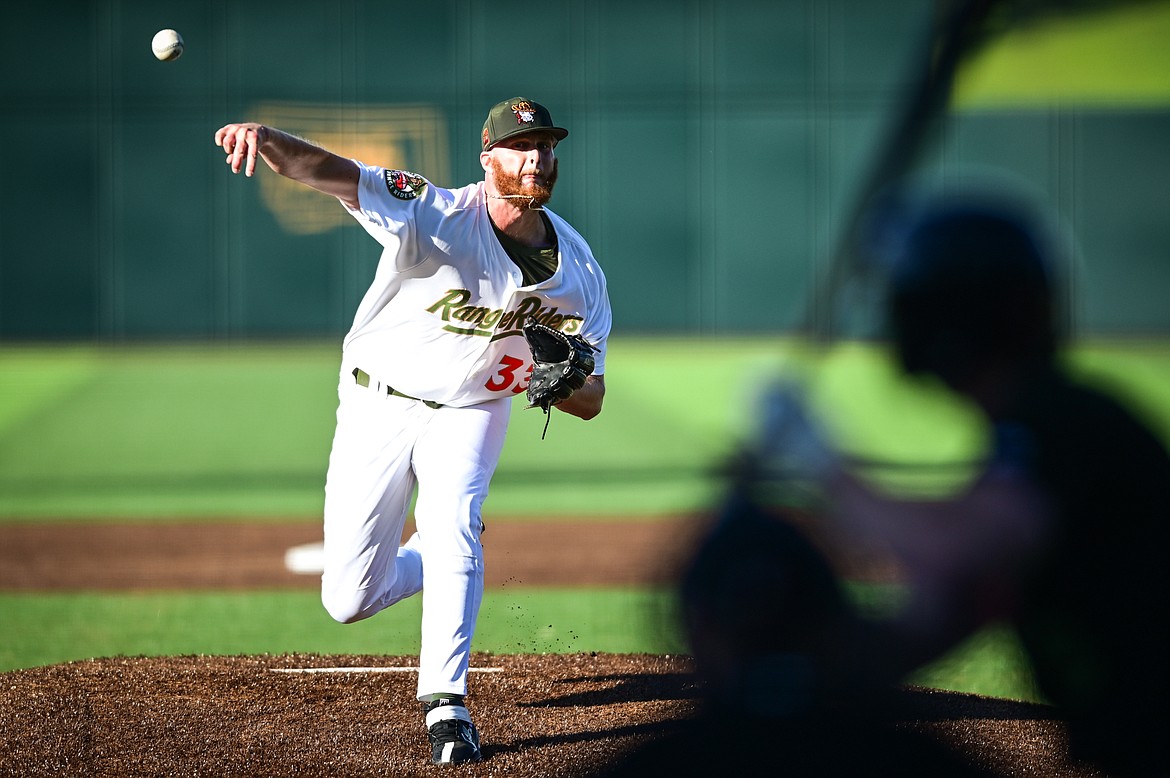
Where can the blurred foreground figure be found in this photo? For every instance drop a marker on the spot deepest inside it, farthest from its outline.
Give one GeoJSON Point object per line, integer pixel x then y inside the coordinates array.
{"type": "Point", "coordinates": [1081, 566]}
{"type": "Point", "coordinates": [1063, 536]}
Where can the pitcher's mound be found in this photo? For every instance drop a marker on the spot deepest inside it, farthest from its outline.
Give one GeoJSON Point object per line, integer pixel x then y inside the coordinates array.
{"type": "Point", "coordinates": [310, 715]}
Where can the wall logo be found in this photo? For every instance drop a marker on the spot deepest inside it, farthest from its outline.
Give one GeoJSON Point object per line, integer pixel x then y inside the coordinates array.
{"type": "Point", "coordinates": [396, 137]}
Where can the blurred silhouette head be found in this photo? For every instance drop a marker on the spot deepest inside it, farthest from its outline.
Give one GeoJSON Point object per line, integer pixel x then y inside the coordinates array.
{"type": "Point", "coordinates": [971, 287]}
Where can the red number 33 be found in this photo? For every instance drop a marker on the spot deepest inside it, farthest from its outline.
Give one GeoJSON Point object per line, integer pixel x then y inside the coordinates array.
{"type": "Point", "coordinates": [506, 376]}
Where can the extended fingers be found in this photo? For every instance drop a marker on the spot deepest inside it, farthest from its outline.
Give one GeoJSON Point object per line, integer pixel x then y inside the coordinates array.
{"type": "Point", "coordinates": [229, 138]}
{"type": "Point", "coordinates": [241, 143]}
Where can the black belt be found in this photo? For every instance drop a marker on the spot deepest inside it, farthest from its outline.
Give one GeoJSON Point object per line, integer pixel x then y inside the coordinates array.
{"type": "Point", "coordinates": [363, 379]}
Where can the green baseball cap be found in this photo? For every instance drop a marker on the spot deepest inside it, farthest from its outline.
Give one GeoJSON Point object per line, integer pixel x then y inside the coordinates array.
{"type": "Point", "coordinates": [516, 117]}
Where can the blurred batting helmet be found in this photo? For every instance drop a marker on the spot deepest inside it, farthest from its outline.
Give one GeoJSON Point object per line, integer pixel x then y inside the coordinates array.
{"type": "Point", "coordinates": [970, 281]}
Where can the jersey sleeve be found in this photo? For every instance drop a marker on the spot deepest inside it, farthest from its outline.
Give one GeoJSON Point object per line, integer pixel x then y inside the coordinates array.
{"type": "Point", "coordinates": [391, 204]}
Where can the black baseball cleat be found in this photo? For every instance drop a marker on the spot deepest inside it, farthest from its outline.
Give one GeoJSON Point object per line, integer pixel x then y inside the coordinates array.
{"type": "Point", "coordinates": [454, 739]}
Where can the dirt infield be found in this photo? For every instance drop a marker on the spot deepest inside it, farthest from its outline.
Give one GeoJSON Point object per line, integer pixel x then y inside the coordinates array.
{"type": "Point", "coordinates": [227, 555]}
{"type": "Point", "coordinates": [550, 715]}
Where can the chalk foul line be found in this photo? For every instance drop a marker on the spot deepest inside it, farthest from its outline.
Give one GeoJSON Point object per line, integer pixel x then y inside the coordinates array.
{"type": "Point", "coordinates": [370, 669]}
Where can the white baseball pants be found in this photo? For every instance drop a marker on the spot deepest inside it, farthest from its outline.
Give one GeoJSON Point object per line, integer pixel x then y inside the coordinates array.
{"type": "Point", "coordinates": [385, 447]}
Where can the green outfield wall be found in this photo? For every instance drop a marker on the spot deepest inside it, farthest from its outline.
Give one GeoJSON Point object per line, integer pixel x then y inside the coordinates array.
{"type": "Point", "coordinates": [715, 149]}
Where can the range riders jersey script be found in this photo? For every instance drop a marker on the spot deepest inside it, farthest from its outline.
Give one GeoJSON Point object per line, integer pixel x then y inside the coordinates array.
{"type": "Point", "coordinates": [442, 319]}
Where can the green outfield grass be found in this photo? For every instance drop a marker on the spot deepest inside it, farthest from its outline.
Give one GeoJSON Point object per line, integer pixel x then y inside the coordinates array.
{"type": "Point", "coordinates": [243, 431]}
{"type": "Point", "coordinates": [53, 628]}
{"type": "Point", "coordinates": [49, 629]}
{"type": "Point", "coordinates": [196, 431]}
{"type": "Point", "coordinates": [219, 431]}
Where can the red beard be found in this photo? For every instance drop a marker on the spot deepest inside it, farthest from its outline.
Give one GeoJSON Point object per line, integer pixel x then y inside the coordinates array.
{"type": "Point", "coordinates": [511, 185]}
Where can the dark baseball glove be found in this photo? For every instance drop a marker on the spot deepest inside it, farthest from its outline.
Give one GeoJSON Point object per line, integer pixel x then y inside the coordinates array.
{"type": "Point", "coordinates": [561, 364]}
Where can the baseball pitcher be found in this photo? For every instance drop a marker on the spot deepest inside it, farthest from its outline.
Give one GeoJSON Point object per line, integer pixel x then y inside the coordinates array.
{"type": "Point", "coordinates": [481, 294]}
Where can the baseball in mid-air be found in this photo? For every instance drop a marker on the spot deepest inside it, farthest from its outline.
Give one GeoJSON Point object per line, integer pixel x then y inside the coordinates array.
{"type": "Point", "coordinates": [167, 45]}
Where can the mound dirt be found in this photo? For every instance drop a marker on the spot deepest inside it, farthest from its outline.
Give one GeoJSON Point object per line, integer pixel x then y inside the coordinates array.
{"type": "Point", "coordinates": [550, 715]}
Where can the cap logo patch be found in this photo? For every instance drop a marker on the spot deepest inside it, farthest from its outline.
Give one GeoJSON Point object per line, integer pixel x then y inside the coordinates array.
{"type": "Point", "coordinates": [525, 113]}
{"type": "Point", "coordinates": [404, 185]}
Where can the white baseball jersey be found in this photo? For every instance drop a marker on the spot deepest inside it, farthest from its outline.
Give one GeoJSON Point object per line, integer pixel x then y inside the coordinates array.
{"type": "Point", "coordinates": [442, 319]}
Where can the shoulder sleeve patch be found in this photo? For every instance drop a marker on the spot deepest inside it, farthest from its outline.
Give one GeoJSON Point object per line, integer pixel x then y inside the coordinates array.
{"type": "Point", "coordinates": [405, 185]}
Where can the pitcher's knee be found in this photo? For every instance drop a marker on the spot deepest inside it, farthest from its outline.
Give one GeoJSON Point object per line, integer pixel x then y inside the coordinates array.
{"type": "Point", "coordinates": [345, 606]}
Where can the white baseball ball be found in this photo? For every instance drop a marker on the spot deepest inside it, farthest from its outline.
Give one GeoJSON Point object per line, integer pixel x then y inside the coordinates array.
{"type": "Point", "coordinates": [167, 45]}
